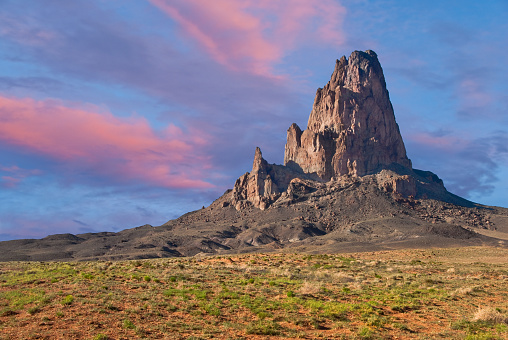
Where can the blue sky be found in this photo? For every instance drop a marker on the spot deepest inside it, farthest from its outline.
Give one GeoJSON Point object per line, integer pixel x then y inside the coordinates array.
{"type": "Point", "coordinates": [114, 114]}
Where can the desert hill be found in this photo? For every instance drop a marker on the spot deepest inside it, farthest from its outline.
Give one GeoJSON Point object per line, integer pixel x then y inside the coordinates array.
{"type": "Point", "coordinates": [346, 185]}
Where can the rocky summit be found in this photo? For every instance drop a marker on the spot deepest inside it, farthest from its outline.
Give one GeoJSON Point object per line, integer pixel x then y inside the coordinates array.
{"type": "Point", "coordinates": [351, 132]}
{"type": "Point", "coordinates": [352, 128]}
{"type": "Point", "coordinates": [346, 185]}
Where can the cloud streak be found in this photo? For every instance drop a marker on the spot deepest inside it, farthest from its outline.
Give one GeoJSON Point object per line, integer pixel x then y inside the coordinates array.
{"type": "Point", "coordinates": [11, 176]}
{"type": "Point", "coordinates": [468, 166]}
{"type": "Point", "coordinates": [101, 144]}
{"type": "Point", "coordinates": [252, 35]}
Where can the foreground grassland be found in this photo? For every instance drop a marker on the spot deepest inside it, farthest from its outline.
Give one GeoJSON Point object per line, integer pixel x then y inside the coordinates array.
{"type": "Point", "coordinates": [412, 294]}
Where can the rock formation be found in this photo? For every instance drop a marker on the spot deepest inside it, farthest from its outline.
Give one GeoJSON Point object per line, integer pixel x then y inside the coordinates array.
{"type": "Point", "coordinates": [346, 185]}
{"type": "Point", "coordinates": [352, 128]}
{"type": "Point", "coordinates": [264, 184]}
{"type": "Point", "coordinates": [351, 131]}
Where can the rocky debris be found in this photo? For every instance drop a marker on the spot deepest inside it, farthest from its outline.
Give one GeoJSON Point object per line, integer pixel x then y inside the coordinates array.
{"type": "Point", "coordinates": [351, 129]}
{"type": "Point", "coordinates": [403, 185]}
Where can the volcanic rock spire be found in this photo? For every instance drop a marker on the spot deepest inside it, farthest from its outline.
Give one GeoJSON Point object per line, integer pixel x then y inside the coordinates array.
{"type": "Point", "coordinates": [351, 129]}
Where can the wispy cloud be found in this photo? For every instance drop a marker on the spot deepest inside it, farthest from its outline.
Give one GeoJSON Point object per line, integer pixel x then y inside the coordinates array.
{"type": "Point", "coordinates": [468, 165]}
{"type": "Point", "coordinates": [95, 141]}
{"type": "Point", "coordinates": [252, 35]}
{"type": "Point", "coordinates": [38, 83]}
{"type": "Point", "coordinates": [27, 32]}
{"type": "Point", "coordinates": [11, 176]}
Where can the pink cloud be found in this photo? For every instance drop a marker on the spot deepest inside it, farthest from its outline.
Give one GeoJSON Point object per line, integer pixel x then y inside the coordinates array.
{"type": "Point", "coordinates": [25, 32]}
{"type": "Point", "coordinates": [252, 35]}
{"type": "Point", "coordinates": [474, 95]}
{"type": "Point", "coordinates": [446, 143]}
{"type": "Point", "coordinates": [9, 181]}
{"type": "Point", "coordinates": [93, 140]}
{"type": "Point", "coordinates": [14, 175]}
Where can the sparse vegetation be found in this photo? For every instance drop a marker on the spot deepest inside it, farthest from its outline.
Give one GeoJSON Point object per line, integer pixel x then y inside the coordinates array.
{"type": "Point", "coordinates": [409, 294]}
{"type": "Point", "coordinates": [67, 300]}
{"type": "Point", "coordinates": [100, 336]}
{"type": "Point", "coordinates": [128, 324]}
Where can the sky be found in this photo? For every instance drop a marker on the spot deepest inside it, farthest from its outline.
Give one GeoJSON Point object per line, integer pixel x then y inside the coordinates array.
{"type": "Point", "coordinates": [120, 113]}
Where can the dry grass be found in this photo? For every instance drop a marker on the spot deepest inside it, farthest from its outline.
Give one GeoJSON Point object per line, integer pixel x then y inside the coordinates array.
{"type": "Point", "coordinates": [405, 295]}
{"type": "Point", "coordinates": [310, 288]}
{"type": "Point", "coordinates": [343, 277]}
{"type": "Point", "coordinates": [490, 314]}
{"type": "Point", "coordinates": [464, 291]}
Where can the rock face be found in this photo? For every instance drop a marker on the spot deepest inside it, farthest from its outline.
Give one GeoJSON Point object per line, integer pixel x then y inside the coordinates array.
{"type": "Point", "coordinates": [351, 129]}
{"type": "Point", "coordinates": [256, 187]}
{"type": "Point", "coordinates": [263, 185]}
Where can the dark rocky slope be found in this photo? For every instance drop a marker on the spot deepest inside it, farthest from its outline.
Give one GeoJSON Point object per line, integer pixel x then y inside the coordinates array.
{"type": "Point", "coordinates": [351, 214]}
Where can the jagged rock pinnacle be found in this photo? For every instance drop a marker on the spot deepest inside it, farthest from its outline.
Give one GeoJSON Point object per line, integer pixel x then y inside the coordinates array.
{"type": "Point", "coordinates": [351, 132]}
{"type": "Point", "coordinates": [351, 129]}
{"type": "Point", "coordinates": [256, 187]}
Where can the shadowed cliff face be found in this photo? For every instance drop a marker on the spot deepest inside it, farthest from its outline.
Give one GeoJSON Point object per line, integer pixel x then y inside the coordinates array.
{"type": "Point", "coordinates": [352, 128]}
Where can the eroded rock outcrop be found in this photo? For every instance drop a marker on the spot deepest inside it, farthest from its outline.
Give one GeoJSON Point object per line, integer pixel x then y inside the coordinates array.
{"type": "Point", "coordinates": [351, 129]}
{"type": "Point", "coordinates": [351, 132]}
{"type": "Point", "coordinates": [264, 184]}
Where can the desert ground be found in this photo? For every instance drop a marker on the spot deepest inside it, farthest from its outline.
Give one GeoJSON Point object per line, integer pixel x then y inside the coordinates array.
{"type": "Point", "coordinates": [451, 293]}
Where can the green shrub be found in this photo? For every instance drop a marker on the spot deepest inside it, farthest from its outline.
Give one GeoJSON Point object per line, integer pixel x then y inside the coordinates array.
{"type": "Point", "coordinates": [263, 327]}
{"type": "Point", "coordinates": [365, 333]}
{"type": "Point", "coordinates": [33, 310]}
{"type": "Point", "coordinates": [128, 324]}
{"type": "Point", "coordinates": [262, 315]}
{"type": "Point", "coordinates": [68, 300]}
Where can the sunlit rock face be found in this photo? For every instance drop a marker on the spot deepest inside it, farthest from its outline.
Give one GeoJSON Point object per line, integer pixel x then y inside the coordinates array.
{"type": "Point", "coordinates": [351, 129]}
{"type": "Point", "coordinates": [351, 132]}
{"type": "Point", "coordinates": [264, 184]}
